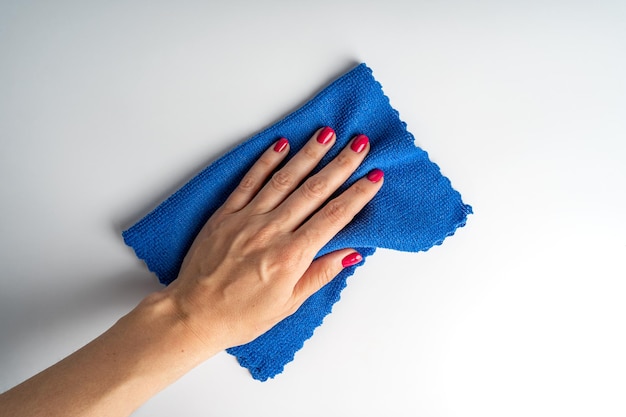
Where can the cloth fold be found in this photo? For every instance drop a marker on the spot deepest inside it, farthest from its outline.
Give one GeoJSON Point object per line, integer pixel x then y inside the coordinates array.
{"type": "Point", "coordinates": [415, 209]}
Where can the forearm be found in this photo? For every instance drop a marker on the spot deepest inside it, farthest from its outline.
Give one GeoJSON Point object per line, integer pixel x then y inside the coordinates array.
{"type": "Point", "coordinates": [251, 265]}
{"type": "Point", "coordinates": [141, 354]}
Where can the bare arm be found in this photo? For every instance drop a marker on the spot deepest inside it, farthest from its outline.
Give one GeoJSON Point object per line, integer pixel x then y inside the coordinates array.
{"type": "Point", "coordinates": [248, 268]}
{"type": "Point", "coordinates": [114, 374]}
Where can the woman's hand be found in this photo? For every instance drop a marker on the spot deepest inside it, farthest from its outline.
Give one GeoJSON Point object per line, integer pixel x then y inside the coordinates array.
{"type": "Point", "coordinates": [250, 267]}
{"type": "Point", "coordinates": [252, 263]}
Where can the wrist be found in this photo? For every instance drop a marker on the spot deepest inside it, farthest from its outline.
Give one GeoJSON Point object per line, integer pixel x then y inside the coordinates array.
{"type": "Point", "coordinates": [141, 354]}
{"type": "Point", "coordinates": [167, 326]}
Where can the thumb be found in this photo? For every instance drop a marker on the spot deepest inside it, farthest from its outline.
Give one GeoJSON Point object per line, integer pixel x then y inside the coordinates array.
{"type": "Point", "coordinates": [323, 270]}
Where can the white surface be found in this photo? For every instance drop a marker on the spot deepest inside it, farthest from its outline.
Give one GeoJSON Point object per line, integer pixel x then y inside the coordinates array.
{"type": "Point", "coordinates": [106, 109]}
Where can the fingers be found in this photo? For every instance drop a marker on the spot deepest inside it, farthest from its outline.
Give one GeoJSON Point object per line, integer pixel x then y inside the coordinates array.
{"type": "Point", "coordinates": [337, 213]}
{"type": "Point", "coordinates": [284, 181]}
{"type": "Point", "coordinates": [295, 204]}
{"type": "Point", "coordinates": [318, 188]}
{"type": "Point", "coordinates": [255, 178]}
{"type": "Point", "coordinates": [322, 271]}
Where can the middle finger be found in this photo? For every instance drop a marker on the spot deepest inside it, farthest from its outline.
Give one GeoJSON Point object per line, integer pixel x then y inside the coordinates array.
{"type": "Point", "coordinates": [285, 180]}
{"type": "Point", "coordinates": [318, 188]}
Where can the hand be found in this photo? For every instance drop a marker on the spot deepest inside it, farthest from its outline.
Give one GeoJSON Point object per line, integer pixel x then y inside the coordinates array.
{"type": "Point", "coordinates": [249, 267]}
{"type": "Point", "coordinates": [252, 263]}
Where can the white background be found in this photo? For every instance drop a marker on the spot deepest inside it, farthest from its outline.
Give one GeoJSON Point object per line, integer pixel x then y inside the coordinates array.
{"type": "Point", "coordinates": [107, 107]}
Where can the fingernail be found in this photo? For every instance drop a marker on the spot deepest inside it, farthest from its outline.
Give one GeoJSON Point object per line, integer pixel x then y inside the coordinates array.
{"type": "Point", "coordinates": [325, 135]}
{"type": "Point", "coordinates": [281, 145]}
{"type": "Point", "coordinates": [359, 143]}
{"type": "Point", "coordinates": [352, 259]}
{"type": "Point", "coordinates": [375, 175]}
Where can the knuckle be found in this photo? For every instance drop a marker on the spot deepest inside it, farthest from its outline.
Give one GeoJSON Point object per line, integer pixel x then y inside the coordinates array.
{"type": "Point", "coordinates": [359, 188]}
{"type": "Point", "coordinates": [265, 163]}
{"type": "Point", "coordinates": [343, 160]}
{"type": "Point", "coordinates": [336, 212]}
{"type": "Point", "coordinates": [325, 276]}
{"type": "Point", "coordinates": [282, 180]}
{"type": "Point", "coordinates": [308, 237]}
{"type": "Point", "coordinates": [314, 188]}
{"type": "Point", "coordinates": [247, 183]}
{"type": "Point", "coordinates": [267, 233]}
{"type": "Point", "coordinates": [310, 153]}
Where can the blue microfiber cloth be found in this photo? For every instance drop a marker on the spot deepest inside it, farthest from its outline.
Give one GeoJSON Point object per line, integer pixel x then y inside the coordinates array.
{"type": "Point", "coordinates": [415, 209]}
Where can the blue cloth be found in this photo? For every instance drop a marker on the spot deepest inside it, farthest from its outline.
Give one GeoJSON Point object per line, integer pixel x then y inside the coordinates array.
{"type": "Point", "coordinates": [415, 209]}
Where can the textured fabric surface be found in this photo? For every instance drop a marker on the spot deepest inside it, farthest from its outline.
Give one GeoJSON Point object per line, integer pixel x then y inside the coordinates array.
{"type": "Point", "coordinates": [415, 209]}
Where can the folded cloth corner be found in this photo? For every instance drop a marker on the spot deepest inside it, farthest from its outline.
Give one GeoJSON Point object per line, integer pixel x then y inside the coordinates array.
{"type": "Point", "coordinates": [416, 208]}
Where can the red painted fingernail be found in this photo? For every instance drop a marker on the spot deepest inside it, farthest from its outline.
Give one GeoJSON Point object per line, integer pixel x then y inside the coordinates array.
{"type": "Point", "coordinates": [325, 135]}
{"type": "Point", "coordinates": [359, 143]}
{"type": "Point", "coordinates": [281, 145]}
{"type": "Point", "coordinates": [375, 175]}
{"type": "Point", "coordinates": [352, 259]}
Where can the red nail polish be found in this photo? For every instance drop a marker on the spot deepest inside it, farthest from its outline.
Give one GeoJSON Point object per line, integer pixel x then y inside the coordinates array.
{"type": "Point", "coordinates": [325, 135]}
{"type": "Point", "coordinates": [352, 259]}
{"type": "Point", "coordinates": [375, 175]}
{"type": "Point", "coordinates": [281, 145]}
{"type": "Point", "coordinates": [359, 143]}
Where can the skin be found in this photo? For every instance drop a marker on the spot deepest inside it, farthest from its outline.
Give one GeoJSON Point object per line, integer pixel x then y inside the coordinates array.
{"type": "Point", "coordinates": [249, 267]}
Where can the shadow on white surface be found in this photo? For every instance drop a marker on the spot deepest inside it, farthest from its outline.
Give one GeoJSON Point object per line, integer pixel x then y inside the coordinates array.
{"type": "Point", "coordinates": [53, 318]}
